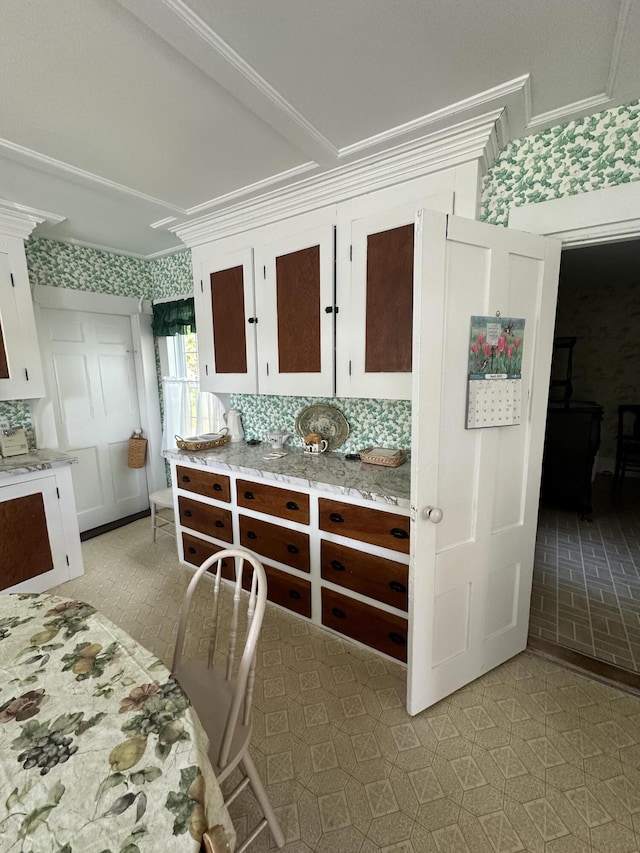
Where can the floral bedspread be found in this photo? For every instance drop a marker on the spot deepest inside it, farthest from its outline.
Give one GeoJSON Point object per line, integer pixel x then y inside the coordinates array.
{"type": "Point", "coordinates": [100, 751]}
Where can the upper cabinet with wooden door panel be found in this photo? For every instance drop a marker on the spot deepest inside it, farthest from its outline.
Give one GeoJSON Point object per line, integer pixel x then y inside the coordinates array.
{"type": "Point", "coordinates": [224, 297]}
{"type": "Point", "coordinates": [21, 375]}
{"type": "Point", "coordinates": [295, 310]}
{"type": "Point", "coordinates": [375, 297]}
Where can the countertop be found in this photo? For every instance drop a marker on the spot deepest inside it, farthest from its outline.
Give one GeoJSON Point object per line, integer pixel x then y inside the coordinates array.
{"type": "Point", "coordinates": [36, 460]}
{"type": "Point", "coordinates": [329, 472]}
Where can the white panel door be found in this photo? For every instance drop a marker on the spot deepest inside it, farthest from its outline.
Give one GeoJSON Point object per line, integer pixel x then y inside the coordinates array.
{"type": "Point", "coordinates": [470, 579]}
{"type": "Point", "coordinates": [91, 380]}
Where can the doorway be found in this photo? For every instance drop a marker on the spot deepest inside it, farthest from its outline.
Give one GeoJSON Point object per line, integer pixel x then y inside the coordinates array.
{"type": "Point", "coordinates": [586, 582]}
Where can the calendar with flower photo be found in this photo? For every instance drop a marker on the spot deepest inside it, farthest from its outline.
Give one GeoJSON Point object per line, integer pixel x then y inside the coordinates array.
{"type": "Point", "coordinates": [495, 347]}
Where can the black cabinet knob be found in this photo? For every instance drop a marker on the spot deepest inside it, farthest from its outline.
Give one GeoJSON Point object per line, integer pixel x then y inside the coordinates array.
{"type": "Point", "coordinates": [337, 565]}
{"type": "Point", "coordinates": [253, 320]}
{"type": "Point", "coordinates": [292, 505]}
{"type": "Point", "coordinates": [398, 639]}
{"type": "Point", "coordinates": [336, 517]}
{"type": "Point", "coordinates": [219, 523]}
{"type": "Point", "coordinates": [217, 487]}
{"type": "Point", "coordinates": [249, 496]}
{"type": "Point", "coordinates": [191, 549]}
{"type": "Point", "coordinates": [293, 593]}
{"type": "Point", "coordinates": [396, 586]}
{"type": "Point", "coordinates": [292, 549]}
{"type": "Point", "coordinates": [399, 533]}
{"type": "Point", "coordinates": [185, 478]}
{"type": "Point", "coordinates": [339, 614]}
{"type": "Point", "coordinates": [328, 309]}
{"type": "Point", "coordinates": [251, 534]}
{"type": "Point", "coordinates": [188, 513]}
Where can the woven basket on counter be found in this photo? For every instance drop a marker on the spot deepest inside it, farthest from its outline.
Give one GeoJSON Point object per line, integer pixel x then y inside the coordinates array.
{"type": "Point", "coordinates": [389, 457]}
{"type": "Point", "coordinates": [198, 442]}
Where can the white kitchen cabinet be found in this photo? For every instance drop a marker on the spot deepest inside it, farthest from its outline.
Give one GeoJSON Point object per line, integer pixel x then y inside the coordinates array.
{"type": "Point", "coordinates": [21, 375]}
{"type": "Point", "coordinates": [226, 322]}
{"type": "Point", "coordinates": [39, 538]}
{"type": "Point", "coordinates": [264, 310]}
{"type": "Point", "coordinates": [295, 311]}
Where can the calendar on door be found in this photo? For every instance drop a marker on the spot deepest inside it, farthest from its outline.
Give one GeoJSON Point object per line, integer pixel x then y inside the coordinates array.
{"type": "Point", "coordinates": [494, 396]}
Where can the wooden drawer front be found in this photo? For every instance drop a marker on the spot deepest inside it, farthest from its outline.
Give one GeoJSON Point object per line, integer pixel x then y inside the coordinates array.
{"type": "Point", "coordinates": [369, 525]}
{"type": "Point", "coordinates": [284, 503]}
{"type": "Point", "coordinates": [285, 589]}
{"type": "Point", "coordinates": [197, 550]}
{"type": "Point", "coordinates": [368, 625]}
{"type": "Point", "coordinates": [368, 574]}
{"type": "Point", "coordinates": [204, 483]}
{"type": "Point", "coordinates": [271, 540]}
{"type": "Point", "coordinates": [211, 520]}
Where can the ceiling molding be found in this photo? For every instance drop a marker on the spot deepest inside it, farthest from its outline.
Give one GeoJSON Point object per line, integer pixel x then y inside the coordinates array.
{"type": "Point", "coordinates": [472, 140]}
{"type": "Point", "coordinates": [36, 160]}
{"type": "Point", "coordinates": [494, 98]}
{"type": "Point", "coordinates": [187, 33]}
{"type": "Point", "coordinates": [625, 8]}
{"type": "Point", "coordinates": [99, 247]}
{"type": "Point", "coordinates": [17, 220]}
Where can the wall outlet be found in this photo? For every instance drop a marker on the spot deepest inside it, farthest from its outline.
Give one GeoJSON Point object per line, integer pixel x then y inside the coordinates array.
{"type": "Point", "coordinates": [4, 424]}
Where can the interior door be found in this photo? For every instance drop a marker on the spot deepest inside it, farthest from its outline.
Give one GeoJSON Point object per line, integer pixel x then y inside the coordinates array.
{"type": "Point", "coordinates": [470, 580]}
{"type": "Point", "coordinates": [91, 380]}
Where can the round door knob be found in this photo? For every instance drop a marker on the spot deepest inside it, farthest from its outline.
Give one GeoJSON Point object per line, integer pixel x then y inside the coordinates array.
{"type": "Point", "coordinates": [432, 513]}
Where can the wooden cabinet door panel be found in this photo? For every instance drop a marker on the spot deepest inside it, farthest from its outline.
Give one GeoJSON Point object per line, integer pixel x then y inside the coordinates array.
{"type": "Point", "coordinates": [368, 525]}
{"type": "Point", "coordinates": [212, 520]}
{"type": "Point", "coordinates": [25, 551]}
{"type": "Point", "coordinates": [370, 575]}
{"type": "Point", "coordinates": [376, 628]}
{"type": "Point", "coordinates": [196, 551]}
{"type": "Point", "coordinates": [285, 503]}
{"type": "Point", "coordinates": [290, 547]}
{"type": "Point", "coordinates": [206, 483]}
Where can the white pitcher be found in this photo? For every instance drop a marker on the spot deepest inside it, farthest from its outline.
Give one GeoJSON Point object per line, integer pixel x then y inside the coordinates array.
{"type": "Point", "coordinates": [233, 420]}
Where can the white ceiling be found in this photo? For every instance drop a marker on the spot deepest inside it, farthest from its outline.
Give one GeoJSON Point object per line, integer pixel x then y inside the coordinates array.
{"type": "Point", "coordinates": [130, 118]}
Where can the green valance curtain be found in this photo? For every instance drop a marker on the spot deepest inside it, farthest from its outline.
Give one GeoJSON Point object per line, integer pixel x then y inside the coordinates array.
{"type": "Point", "coordinates": [177, 317]}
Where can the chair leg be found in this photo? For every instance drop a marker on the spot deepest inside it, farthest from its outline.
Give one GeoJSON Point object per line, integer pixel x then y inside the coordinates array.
{"type": "Point", "coordinates": [153, 520]}
{"type": "Point", "coordinates": [262, 798]}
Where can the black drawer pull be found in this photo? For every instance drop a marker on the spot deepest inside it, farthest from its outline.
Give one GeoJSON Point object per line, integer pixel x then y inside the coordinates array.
{"type": "Point", "coordinates": [251, 534]}
{"type": "Point", "coordinates": [219, 523]}
{"type": "Point", "coordinates": [292, 549]}
{"type": "Point", "coordinates": [191, 550]}
{"type": "Point", "coordinates": [217, 487]}
{"type": "Point", "coordinates": [249, 496]}
{"type": "Point", "coordinates": [188, 513]}
{"type": "Point", "coordinates": [336, 517]}
{"type": "Point", "coordinates": [224, 564]}
{"type": "Point", "coordinates": [396, 586]}
{"type": "Point", "coordinates": [337, 565]}
{"type": "Point", "coordinates": [339, 614]}
{"type": "Point", "coordinates": [186, 479]}
{"type": "Point", "coordinates": [399, 533]}
{"type": "Point", "coordinates": [293, 593]}
{"type": "Point", "coordinates": [397, 638]}
{"type": "Point", "coordinates": [292, 505]}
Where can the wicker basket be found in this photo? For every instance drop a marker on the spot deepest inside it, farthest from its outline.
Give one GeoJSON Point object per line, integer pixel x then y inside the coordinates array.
{"type": "Point", "coordinates": [137, 451]}
{"type": "Point", "coordinates": [386, 456]}
{"type": "Point", "coordinates": [199, 443]}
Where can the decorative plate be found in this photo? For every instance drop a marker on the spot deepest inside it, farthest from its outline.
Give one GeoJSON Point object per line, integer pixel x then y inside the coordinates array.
{"type": "Point", "coordinates": [329, 422]}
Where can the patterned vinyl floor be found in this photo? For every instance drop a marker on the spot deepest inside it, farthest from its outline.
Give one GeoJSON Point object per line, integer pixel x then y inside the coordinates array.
{"type": "Point", "coordinates": [586, 582]}
{"type": "Point", "coordinates": [532, 756]}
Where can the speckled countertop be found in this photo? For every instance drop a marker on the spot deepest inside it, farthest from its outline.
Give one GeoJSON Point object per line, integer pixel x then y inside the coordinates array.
{"type": "Point", "coordinates": [35, 460]}
{"type": "Point", "coordinates": [329, 472]}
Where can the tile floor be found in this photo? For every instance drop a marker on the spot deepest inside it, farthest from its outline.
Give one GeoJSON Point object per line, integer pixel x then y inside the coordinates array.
{"type": "Point", "coordinates": [586, 577]}
{"type": "Point", "coordinates": [531, 756]}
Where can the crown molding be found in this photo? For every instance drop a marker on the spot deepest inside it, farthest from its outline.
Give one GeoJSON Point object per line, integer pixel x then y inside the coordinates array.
{"type": "Point", "coordinates": [18, 220]}
{"type": "Point", "coordinates": [475, 139]}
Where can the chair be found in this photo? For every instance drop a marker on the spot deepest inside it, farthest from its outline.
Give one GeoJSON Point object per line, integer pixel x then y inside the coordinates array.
{"type": "Point", "coordinates": [628, 444]}
{"type": "Point", "coordinates": [221, 688]}
{"type": "Point", "coordinates": [161, 499]}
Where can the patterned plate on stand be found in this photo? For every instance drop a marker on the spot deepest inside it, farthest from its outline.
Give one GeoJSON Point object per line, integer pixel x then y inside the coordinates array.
{"type": "Point", "coordinates": [326, 420]}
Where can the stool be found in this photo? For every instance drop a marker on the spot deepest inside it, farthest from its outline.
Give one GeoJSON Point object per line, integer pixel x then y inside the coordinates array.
{"type": "Point", "coordinates": [162, 499]}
